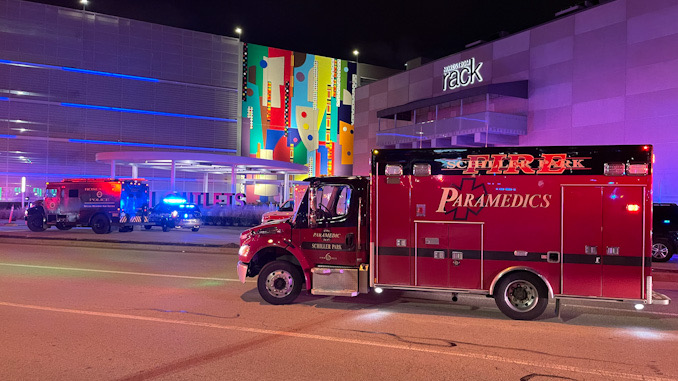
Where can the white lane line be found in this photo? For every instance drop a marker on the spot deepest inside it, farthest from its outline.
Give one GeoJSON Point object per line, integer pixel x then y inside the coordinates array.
{"type": "Point", "coordinates": [410, 347]}
{"type": "Point", "coordinates": [121, 272]}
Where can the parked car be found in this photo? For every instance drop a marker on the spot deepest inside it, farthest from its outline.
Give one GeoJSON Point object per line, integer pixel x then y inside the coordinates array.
{"type": "Point", "coordinates": [664, 231]}
{"type": "Point", "coordinates": [172, 213]}
{"type": "Point", "coordinates": [286, 210]}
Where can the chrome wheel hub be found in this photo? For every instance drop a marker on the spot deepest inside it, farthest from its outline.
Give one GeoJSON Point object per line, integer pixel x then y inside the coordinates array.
{"type": "Point", "coordinates": [521, 296]}
{"type": "Point", "coordinates": [279, 283]}
{"type": "Point", "coordinates": [659, 251]}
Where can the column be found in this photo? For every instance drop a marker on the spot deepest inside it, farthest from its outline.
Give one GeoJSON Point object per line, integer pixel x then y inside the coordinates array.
{"type": "Point", "coordinates": [234, 172]}
{"type": "Point", "coordinates": [173, 176]}
{"type": "Point", "coordinates": [112, 169]}
{"type": "Point", "coordinates": [286, 188]}
{"type": "Point", "coordinates": [135, 172]}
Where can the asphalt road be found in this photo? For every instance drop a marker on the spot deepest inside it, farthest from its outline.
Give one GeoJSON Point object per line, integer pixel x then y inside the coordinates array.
{"type": "Point", "coordinates": [78, 313]}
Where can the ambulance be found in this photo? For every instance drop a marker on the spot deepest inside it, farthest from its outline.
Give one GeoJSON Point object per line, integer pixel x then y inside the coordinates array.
{"type": "Point", "coordinates": [523, 225]}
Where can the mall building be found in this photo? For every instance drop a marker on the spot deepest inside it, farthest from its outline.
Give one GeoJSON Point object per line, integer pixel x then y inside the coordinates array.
{"type": "Point", "coordinates": [600, 75]}
{"type": "Point", "coordinates": [87, 95]}
{"type": "Point", "coordinates": [84, 94]}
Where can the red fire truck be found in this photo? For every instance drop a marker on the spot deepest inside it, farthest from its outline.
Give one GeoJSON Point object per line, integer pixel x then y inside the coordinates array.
{"type": "Point", "coordinates": [522, 225]}
{"type": "Point", "coordinates": [100, 204]}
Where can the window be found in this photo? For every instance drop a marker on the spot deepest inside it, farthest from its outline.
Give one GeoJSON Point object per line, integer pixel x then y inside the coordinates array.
{"type": "Point", "coordinates": [288, 206]}
{"type": "Point", "coordinates": [332, 201]}
{"type": "Point", "coordinates": [51, 193]}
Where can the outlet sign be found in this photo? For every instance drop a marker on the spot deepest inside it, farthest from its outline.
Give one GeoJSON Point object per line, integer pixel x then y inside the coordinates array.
{"type": "Point", "coordinates": [461, 74]}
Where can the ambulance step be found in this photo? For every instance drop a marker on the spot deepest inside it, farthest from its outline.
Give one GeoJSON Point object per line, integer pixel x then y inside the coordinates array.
{"type": "Point", "coordinates": [334, 281]}
{"type": "Point", "coordinates": [316, 291]}
{"type": "Point", "coordinates": [658, 298]}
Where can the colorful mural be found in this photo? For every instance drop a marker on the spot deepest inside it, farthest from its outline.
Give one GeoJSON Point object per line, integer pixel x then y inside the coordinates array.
{"type": "Point", "coordinates": [299, 108]}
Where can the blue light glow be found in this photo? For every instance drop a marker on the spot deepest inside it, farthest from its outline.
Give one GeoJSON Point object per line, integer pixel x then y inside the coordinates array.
{"type": "Point", "coordinates": [4, 99]}
{"type": "Point", "coordinates": [667, 221]}
{"type": "Point", "coordinates": [136, 111]}
{"type": "Point", "coordinates": [393, 134]}
{"type": "Point", "coordinates": [174, 200]}
{"type": "Point", "coordinates": [8, 136]}
{"type": "Point", "coordinates": [129, 144]}
{"type": "Point", "coordinates": [107, 74]}
{"type": "Point", "coordinates": [84, 71]}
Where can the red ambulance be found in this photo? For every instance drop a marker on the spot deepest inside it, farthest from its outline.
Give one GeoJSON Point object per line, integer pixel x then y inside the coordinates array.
{"type": "Point", "coordinates": [520, 224]}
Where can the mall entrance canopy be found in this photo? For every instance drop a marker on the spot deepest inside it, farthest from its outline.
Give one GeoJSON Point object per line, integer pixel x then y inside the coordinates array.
{"type": "Point", "coordinates": [206, 163]}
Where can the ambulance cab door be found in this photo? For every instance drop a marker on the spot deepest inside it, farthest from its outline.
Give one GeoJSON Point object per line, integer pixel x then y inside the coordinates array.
{"type": "Point", "coordinates": [582, 213]}
{"type": "Point", "coordinates": [331, 236]}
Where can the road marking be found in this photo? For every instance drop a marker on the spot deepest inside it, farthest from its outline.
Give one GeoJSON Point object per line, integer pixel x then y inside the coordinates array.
{"type": "Point", "coordinates": [410, 347]}
{"type": "Point", "coordinates": [121, 272]}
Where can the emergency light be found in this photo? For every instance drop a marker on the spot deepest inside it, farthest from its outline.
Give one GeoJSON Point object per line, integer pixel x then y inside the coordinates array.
{"type": "Point", "coordinates": [174, 200]}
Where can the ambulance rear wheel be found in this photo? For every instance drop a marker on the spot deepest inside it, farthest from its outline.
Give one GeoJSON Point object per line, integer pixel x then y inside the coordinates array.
{"type": "Point", "coordinates": [279, 282]}
{"type": "Point", "coordinates": [35, 223]}
{"type": "Point", "coordinates": [521, 296]}
{"type": "Point", "coordinates": [101, 224]}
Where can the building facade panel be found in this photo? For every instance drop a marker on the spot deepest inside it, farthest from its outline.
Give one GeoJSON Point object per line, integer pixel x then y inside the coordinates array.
{"type": "Point", "coordinates": [602, 75]}
{"type": "Point", "coordinates": [74, 83]}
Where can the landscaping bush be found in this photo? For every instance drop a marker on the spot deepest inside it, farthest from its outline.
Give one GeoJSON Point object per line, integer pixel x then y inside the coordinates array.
{"type": "Point", "coordinates": [228, 215]}
{"type": "Point", "coordinates": [17, 215]}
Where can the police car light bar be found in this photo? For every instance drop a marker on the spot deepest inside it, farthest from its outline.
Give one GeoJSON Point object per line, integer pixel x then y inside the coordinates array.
{"type": "Point", "coordinates": [174, 200]}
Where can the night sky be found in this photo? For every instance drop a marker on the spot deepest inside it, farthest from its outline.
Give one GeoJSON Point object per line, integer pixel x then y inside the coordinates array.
{"type": "Point", "coordinates": [387, 33]}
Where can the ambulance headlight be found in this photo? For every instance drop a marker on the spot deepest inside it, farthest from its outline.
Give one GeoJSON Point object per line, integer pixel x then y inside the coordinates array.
{"type": "Point", "coordinates": [244, 251]}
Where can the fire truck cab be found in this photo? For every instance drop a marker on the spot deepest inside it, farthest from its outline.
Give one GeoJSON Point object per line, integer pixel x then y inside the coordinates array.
{"type": "Point", "coordinates": [520, 224]}
{"type": "Point", "coordinates": [99, 204]}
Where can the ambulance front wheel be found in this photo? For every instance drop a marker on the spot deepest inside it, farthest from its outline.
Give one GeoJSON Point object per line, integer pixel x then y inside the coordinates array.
{"type": "Point", "coordinates": [279, 282]}
{"type": "Point", "coordinates": [521, 296]}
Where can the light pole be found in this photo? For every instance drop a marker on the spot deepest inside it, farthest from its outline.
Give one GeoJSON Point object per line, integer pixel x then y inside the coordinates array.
{"type": "Point", "coordinates": [84, 4]}
{"type": "Point", "coordinates": [238, 31]}
{"type": "Point", "coordinates": [357, 64]}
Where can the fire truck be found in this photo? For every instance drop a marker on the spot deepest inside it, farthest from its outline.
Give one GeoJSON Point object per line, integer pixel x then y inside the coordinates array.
{"type": "Point", "coordinates": [522, 225]}
{"type": "Point", "coordinates": [100, 204]}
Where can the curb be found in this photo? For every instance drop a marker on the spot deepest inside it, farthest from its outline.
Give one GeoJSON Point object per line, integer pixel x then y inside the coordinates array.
{"type": "Point", "coordinates": [227, 249]}
{"type": "Point", "coordinates": [664, 275]}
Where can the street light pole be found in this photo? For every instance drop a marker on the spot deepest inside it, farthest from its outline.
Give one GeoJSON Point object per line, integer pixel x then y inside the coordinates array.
{"type": "Point", "coordinates": [84, 4]}
{"type": "Point", "coordinates": [357, 64]}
